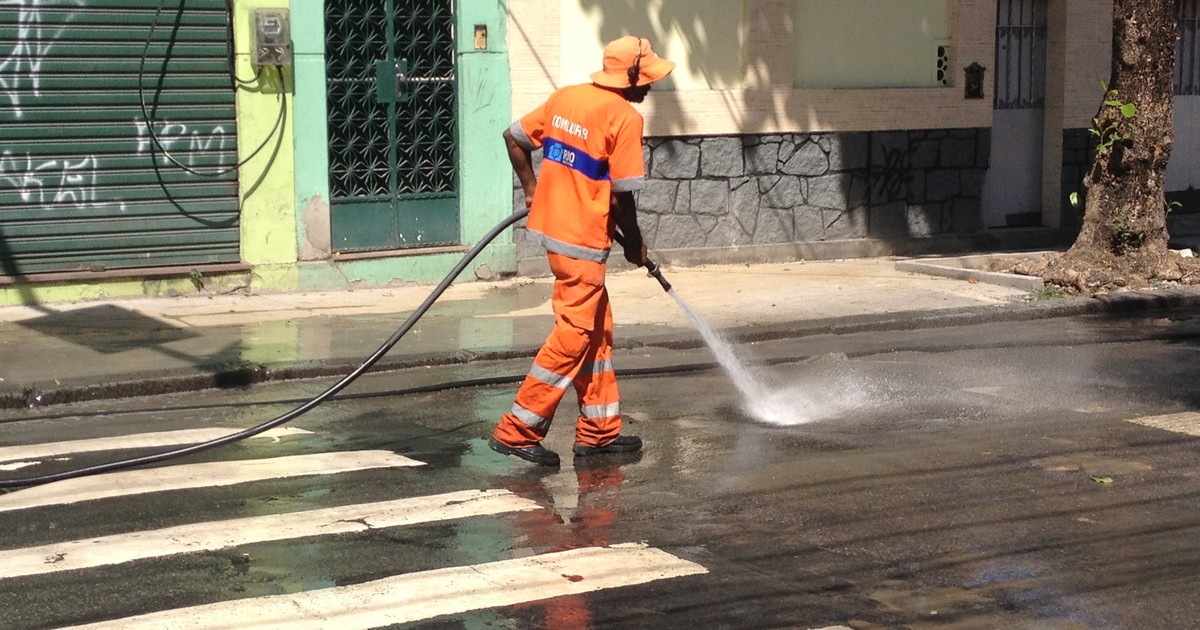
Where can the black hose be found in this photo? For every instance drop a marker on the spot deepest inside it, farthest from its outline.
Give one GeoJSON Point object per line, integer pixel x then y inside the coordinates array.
{"type": "Point", "coordinates": [298, 411]}
{"type": "Point", "coordinates": [149, 117]}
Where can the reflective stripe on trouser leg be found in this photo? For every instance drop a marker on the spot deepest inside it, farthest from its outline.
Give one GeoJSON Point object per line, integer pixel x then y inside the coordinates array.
{"type": "Point", "coordinates": [596, 386]}
{"type": "Point", "coordinates": [581, 341]}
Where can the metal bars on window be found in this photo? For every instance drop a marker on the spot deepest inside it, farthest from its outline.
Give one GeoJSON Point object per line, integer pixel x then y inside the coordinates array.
{"type": "Point", "coordinates": [1020, 54]}
{"type": "Point", "coordinates": [1187, 53]}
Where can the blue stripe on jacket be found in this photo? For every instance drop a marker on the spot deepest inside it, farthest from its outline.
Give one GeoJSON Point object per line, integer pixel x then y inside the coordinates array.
{"type": "Point", "coordinates": [575, 159]}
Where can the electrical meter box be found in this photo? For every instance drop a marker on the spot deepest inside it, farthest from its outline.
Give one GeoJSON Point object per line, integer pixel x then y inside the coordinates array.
{"type": "Point", "coordinates": [272, 32]}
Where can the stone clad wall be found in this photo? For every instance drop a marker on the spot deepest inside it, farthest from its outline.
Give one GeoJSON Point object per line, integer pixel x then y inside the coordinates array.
{"type": "Point", "coordinates": [763, 190]}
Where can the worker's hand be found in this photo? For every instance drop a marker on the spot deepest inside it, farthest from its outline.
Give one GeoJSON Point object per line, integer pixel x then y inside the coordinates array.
{"type": "Point", "coordinates": [636, 253]}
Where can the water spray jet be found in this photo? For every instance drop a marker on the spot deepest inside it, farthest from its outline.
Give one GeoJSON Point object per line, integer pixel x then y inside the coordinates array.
{"type": "Point", "coordinates": [772, 407]}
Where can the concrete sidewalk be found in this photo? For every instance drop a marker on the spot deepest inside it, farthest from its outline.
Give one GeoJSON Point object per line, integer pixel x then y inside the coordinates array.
{"type": "Point", "coordinates": [61, 353]}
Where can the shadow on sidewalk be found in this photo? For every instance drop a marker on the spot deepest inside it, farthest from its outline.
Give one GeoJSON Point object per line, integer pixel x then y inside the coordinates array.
{"type": "Point", "coordinates": [106, 328]}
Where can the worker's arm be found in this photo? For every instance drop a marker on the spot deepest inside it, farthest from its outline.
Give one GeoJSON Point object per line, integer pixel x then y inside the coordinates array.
{"type": "Point", "coordinates": [522, 163]}
{"type": "Point", "coordinates": [624, 210]}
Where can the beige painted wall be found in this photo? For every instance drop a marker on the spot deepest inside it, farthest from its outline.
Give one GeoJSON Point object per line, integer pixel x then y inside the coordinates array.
{"type": "Point", "coordinates": [703, 36]}
{"type": "Point", "coordinates": [869, 43]}
{"type": "Point", "coordinates": [760, 98]}
{"type": "Point", "coordinates": [1078, 58]}
{"type": "Point", "coordinates": [1088, 59]}
{"type": "Point", "coordinates": [721, 90]}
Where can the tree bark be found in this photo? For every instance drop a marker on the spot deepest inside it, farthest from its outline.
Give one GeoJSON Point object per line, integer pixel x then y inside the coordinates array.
{"type": "Point", "coordinates": [1125, 212]}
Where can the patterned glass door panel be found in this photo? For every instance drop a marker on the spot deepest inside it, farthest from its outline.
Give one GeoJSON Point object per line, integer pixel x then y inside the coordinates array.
{"type": "Point", "coordinates": [391, 120]}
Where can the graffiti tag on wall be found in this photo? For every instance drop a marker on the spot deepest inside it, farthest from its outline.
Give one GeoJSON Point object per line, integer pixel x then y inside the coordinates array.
{"type": "Point", "coordinates": [21, 69]}
{"type": "Point", "coordinates": [65, 181]}
{"type": "Point", "coordinates": [174, 137]}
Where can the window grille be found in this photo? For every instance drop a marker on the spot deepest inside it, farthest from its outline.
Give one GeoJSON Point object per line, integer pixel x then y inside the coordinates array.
{"type": "Point", "coordinates": [1187, 52]}
{"type": "Point", "coordinates": [1020, 54]}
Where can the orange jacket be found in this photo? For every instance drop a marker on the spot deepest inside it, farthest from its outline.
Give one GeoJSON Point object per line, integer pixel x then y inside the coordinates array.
{"type": "Point", "coordinates": [591, 141]}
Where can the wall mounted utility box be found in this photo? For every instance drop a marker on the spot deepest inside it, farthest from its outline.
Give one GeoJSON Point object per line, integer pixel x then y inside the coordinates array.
{"type": "Point", "coordinates": [272, 32]}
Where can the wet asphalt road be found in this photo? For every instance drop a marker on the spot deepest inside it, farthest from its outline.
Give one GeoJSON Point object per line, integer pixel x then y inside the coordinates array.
{"type": "Point", "coordinates": [963, 477]}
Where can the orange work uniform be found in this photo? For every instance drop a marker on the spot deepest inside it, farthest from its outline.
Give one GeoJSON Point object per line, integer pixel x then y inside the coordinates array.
{"type": "Point", "coordinates": [591, 141]}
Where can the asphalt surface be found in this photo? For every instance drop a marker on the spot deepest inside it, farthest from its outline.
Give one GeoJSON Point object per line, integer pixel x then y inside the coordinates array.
{"type": "Point", "coordinates": [112, 348]}
{"type": "Point", "coordinates": [1031, 475]}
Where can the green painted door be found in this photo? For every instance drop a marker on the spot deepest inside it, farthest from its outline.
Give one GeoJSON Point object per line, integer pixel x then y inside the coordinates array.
{"type": "Point", "coordinates": [85, 180]}
{"type": "Point", "coordinates": [391, 102]}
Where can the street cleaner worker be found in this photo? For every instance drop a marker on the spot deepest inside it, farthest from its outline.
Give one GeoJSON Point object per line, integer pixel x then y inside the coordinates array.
{"type": "Point", "coordinates": [591, 142]}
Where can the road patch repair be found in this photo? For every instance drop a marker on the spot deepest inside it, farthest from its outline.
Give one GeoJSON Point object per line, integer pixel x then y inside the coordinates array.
{"type": "Point", "coordinates": [1187, 422]}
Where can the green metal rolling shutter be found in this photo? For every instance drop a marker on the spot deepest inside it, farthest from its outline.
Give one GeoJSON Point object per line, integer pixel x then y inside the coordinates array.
{"type": "Point", "coordinates": [82, 186]}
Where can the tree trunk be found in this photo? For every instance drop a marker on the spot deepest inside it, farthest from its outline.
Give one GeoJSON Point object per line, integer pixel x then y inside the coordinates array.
{"type": "Point", "coordinates": [1125, 212]}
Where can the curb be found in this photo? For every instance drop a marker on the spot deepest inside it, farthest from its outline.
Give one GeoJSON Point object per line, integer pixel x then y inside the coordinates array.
{"type": "Point", "coordinates": [970, 268]}
{"type": "Point", "coordinates": [134, 385]}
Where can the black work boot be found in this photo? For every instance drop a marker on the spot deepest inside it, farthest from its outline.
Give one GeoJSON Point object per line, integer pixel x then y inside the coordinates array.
{"type": "Point", "coordinates": [537, 453]}
{"type": "Point", "coordinates": [623, 444]}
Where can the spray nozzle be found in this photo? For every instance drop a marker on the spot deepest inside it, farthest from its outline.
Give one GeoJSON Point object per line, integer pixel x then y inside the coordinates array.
{"type": "Point", "coordinates": [652, 268]}
{"type": "Point", "coordinates": [654, 271]}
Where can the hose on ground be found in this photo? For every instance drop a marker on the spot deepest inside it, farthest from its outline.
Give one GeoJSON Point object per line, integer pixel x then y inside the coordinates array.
{"type": "Point", "coordinates": [301, 409]}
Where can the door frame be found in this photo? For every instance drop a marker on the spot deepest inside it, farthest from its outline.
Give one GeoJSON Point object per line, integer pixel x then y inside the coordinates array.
{"type": "Point", "coordinates": [485, 192]}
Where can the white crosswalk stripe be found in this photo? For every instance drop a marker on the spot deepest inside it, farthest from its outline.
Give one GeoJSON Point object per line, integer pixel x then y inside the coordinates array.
{"type": "Point", "coordinates": [427, 594]}
{"type": "Point", "coordinates": [400, 598]}
{"type": "Point", "coordinates": [211, 474]}
{"type": "Point", "coordinates": [213, 535]}
{"type": "Point", "coordinates": [47, 450]}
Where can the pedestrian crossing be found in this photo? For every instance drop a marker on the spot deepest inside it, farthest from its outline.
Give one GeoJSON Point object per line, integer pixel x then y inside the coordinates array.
{"type": "Point", "coordinates": [141, 440]}
{"type": "Point", "coordinates": [399, 598]}
{"type": "Point", "coordinates": [26, 456]}
{"type": "Point", "coordinates": [214, 535]}
{"type": "Point", "coordinates": [188, 476]}
{"type": "Point", "coordinates": [427, 594]}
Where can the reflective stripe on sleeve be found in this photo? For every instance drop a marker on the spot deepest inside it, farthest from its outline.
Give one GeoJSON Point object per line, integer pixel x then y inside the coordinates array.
{"type": "Point", "coordinates": [601, 411]}
{"type": "Point", "coordinates": [518, 134]}
{"type": "Point", "coordinates": [578, 252]}
{"type": "Point", "coordinates": [549, 378]}
{"type": "Point", "coordinates": [530, 418]}
{"type": "Point", "coordinates": [629, 184]}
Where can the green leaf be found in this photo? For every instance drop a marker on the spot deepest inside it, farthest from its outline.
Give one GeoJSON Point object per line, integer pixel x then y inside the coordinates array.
{"type": "Point", "coordinates": [1101, 479]}
{"type": "Point", "coordinates": [1074, 200]}
{"type": "Point", "coordinates": [1129, 110]}
{"type": "Point", "coordinates": [1112, 103]}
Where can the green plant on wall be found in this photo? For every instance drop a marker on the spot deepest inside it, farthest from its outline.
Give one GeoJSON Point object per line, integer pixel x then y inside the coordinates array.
{"type": "Point", "coordinates": [1112, 133]}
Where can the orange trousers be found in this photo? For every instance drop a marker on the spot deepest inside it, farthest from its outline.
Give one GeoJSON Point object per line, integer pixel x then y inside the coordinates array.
{"type": "Point", "coordinates": [578, 353]}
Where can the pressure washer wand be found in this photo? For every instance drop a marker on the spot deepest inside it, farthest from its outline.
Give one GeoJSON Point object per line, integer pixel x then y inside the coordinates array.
{"type": "Point", "coordinates": [652, 268]}
{"type": "Point", "coordinates": [654, 271]}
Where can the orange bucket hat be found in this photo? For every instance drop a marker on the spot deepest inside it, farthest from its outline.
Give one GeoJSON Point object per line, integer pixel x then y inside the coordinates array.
{"type": "Point", "coordinates": [622, 55]}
